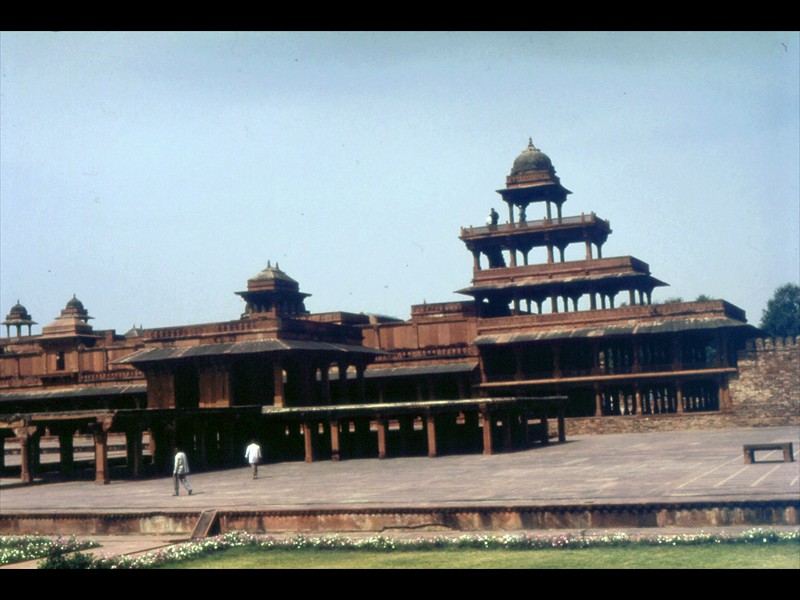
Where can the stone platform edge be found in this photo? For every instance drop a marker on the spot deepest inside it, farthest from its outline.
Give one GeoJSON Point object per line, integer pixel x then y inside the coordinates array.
{"type": "Point", "coordinates": [383, 519]}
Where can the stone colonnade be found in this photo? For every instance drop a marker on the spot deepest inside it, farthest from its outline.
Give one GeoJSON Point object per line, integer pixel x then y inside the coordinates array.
{"type": "Point", "coordinates": [215, 437]}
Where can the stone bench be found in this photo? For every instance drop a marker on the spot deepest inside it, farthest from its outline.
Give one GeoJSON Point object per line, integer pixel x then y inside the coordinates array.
{"type": "Point", "coordinates": [750, 451]}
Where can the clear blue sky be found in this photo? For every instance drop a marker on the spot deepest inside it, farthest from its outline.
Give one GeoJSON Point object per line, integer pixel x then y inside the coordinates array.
{"type": "Point", "coordinates": [151, 174]}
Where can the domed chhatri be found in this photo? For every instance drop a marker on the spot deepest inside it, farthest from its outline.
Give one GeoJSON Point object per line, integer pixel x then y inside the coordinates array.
{"type": "Point", "coordinates": [18, 317]}
{"type": "Point", "coordinates": [272, 292]}
{"type": "Point", "coordinates": [531, 159]}
{"type": "Point", "coordinates": [73, 321]}
{"type": "Point", "coordinates": [532, 179]}
{"type": "Point", "coordinates": [75, 309]}
{"type": "Point", "coordinates": [270, 273]}
{"type": "Point", "coordinates": [75, 304]}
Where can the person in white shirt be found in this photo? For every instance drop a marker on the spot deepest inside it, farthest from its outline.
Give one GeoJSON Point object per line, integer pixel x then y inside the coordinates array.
{"type": "Point", "coordinates": [253, 456]}
{"type": "Point", "coordinates": [180, 471]}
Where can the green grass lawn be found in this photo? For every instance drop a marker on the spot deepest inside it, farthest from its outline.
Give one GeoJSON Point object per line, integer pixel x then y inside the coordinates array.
{"type": "Point", "coordinates": [728, 556]}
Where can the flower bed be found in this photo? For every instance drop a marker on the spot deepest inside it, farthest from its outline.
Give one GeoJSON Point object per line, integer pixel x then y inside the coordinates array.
{"type": "Point", "coordinates": [189, 550]}
{"type": "Point", "coordinates": [19, 548]}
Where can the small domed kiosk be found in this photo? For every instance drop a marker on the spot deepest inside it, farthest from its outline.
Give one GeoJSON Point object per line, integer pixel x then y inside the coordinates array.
{"type": "Point", "coordinates": [532, 179]}
{"type": "Point", "coordinates": [273, 293]}
{"type": "Point", "coordinates": [18, 317]}
{"type": "Point", "coordinates": [73, 320]}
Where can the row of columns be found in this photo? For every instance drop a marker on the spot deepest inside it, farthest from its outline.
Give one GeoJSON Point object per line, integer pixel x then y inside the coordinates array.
{"type": "Point", "coordinates": [479, 423]}
{"type": "Point", "coordinates": [721, 359]}
{"type": "Point", "coordinates": [512, 254]}
{"type": "Point", "coordinates": [29, 437]}
{"type": "Point", "coordinates": [305, 379]}
{"type": "Point", "coordinates": [606, 300]}
{"type": "Point", "coordinates": [514, 430]}
{"type": "Point", "coordinates": [723, 395]}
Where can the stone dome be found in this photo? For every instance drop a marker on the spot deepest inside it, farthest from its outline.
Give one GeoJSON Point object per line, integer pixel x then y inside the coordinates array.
{"type": "Point", "coordinates": [75, 304]}
{"type": "Point", "coordinates": [272, 273]}
{"type": "Point", "coordinates": [75, 309]}
{"type": "Point", "coordinates": [531, 159]}
{"type": "Point", "coordinates": [18, 312]}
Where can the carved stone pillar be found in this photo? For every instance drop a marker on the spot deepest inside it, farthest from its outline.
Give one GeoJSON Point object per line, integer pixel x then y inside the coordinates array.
{"type": "Point", "coordinates": [335, 444]}
{"type": "Point", "coordinates": [381, 426]}
{"type": "Point", "coordinates": [100, 434]}
{"type": "Point", "coordinates": [598, 402]}
{"type": "Point", "coordinates": [66, 448]}
{"type": "Point", "coordinates": [26, 436]}
{"type": "Point", "coordinates": [430, 423]}
{"type": "Point", "coordinates": [133, 446]}
{"type": "Point", "coordinates": [638, 393]}
{"type": "Point", "coordinates": [486, 422]}
{"type": "Point", "coordinates": [279, 399]}
{"type": "Point", "coordinates": [308, 441]}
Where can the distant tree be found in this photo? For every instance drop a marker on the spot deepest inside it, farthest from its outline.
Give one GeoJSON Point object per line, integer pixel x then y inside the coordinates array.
{"type": "Point", "coordinates": [781, 318]}
{"type": "Point", "coordinates": [703, 298]}
{"type": "Point", "coordinates": [674, 300]}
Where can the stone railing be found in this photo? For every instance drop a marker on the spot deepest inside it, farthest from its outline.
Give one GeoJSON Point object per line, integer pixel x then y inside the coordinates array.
{"type": "Point", "coordinates": [547, 271]}
{"type": "Point", "coordinates": [590, 219]}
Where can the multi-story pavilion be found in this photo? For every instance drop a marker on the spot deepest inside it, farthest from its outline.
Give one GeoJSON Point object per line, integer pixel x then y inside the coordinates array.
{"type": "Point", "coordinates": [537, 339]}
{"type": "Point", "coordinates": [560, 327]}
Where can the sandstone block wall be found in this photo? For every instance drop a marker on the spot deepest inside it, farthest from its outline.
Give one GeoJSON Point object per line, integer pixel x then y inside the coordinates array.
{"type": "Point", "coordinates": [766, 390]}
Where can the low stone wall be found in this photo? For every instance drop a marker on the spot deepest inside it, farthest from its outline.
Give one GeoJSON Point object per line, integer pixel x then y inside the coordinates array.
{"type": "Point", "coordinates": [387, 519]}
{"type": "Point", "coordinates": [649, 423]}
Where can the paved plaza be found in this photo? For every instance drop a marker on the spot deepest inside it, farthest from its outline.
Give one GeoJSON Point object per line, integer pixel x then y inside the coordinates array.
{"type": "Point", "coordinates": [644, 467]}
{"type": "Point", "coordinates": [684, 466]}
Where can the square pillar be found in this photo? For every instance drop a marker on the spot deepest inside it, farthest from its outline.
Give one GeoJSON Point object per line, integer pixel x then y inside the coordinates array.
{"type": "Point", "coordinates": [430, 423]}
{"type": "Point", "coordinates": [25, 436]}
{"type": "Point", "coordinates": [335, 445]}
{"type": "Point", "coordinates": [486, 420]}
{"type": "Point", "coordinates": [100, 434]}
{"type": "Point", "coordinates": [638, 393]}
{"type": "Point", "coordinates": [279, 399]}
{"type": "Point", "coordinates": [308, 441]}
{"type": "Point", "coordinates": [381, 425]}
{"type": "Point", "coordinates": [133, 446]}
{"type": "Point", "coordinates": [66, 450]}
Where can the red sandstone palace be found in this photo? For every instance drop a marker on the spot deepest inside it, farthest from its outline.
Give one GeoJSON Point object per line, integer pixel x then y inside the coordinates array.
{"type": "Point", "coordinates": [577, 341]}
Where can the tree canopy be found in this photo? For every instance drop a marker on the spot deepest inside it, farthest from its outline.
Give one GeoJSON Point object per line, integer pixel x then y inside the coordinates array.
{"type": "Point", "coordinates": [781, 318]}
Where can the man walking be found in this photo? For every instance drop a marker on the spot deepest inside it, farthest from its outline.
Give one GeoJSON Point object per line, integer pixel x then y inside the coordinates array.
{"type": "Point", "coordinates": [253, 456]}
{"type": "Point", "coordinates": [180, 471]}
